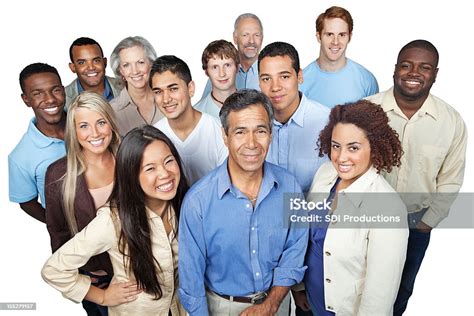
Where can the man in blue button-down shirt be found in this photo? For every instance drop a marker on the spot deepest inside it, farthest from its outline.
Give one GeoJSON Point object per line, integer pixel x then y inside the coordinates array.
{"type": "Point", "coordinates": [298, 120]}
{"type": "Point", "coordinates": [236, 248]}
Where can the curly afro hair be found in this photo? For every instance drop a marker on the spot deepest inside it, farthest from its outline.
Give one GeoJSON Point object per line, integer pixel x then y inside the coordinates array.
{"type": "Point", "coordinates": [385, 147]}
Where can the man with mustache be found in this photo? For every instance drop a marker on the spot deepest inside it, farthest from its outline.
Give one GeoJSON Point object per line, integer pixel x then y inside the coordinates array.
{"type": "Point", "coordinates": [237, 253]}
{"type": "Point", "coordinates": [88, 63]}
{"type": "Point", "coordinates": [333, 78]}
{"type": "Point", "coordinates": [434, 139]}
{"type": "Point", "coordinates": [248, 37]}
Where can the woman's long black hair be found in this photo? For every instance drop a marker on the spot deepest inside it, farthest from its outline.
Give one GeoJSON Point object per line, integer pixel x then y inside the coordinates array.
{"type": "Point", "coordinates": [128, 199]}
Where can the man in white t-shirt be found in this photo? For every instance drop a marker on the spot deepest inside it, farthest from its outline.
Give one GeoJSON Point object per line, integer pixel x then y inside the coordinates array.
{"type": "Point", "coordinates": [197, 136]}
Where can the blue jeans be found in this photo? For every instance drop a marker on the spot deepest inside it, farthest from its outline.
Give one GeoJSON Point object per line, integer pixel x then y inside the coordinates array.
{"type": "Point", "coordinates": [91, 308]}
{"type": "Point", "coordinates": [417, 244]}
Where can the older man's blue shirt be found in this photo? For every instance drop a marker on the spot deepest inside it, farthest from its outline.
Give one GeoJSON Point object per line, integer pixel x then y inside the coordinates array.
{"type": "Point", "coordinates": [231, 248]}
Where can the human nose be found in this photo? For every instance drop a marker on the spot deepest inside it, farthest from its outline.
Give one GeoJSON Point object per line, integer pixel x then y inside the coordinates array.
{"type": "Point", "coordinates": [250, 141]}
{"type": "Point", "coordinates": [275, 85]}
{"type": "Point", "coordinates": [343, 155]}
{"type": "Point", "coordinates": [251, 39]}
{"type": "Point", "coordinates": [335, 39]}
{"type": "Point", "coordinates": [162, 172]}
{"type": "Point", "coordinates": [90, 65]}
{"type": "Point", "coordinates": [49, 97]}
{"type": "Point", "coordinates": [166, 96]}
{"type": "Point", "coordinates": [221, 72]}
{"type": "Point", "coordinates": [94, 131]}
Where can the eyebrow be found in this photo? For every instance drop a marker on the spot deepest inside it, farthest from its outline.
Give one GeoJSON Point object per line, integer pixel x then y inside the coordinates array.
{"type": "Point", "coordinates": [167, 87]}
{"type": "Point", "coordinates": [351, 143]}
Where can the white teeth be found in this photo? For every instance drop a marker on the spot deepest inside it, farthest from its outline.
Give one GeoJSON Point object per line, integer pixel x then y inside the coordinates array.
{"type": "Point", "coordinates": [96, 142]}
{"type": "Point", "coordinates": [166, 187]}
{"type": "Point", "coordinates": [137, 78]}
{"type": "Point", "coordinates": [344, 168]}
{"type": "Point", "coordinates": [413, 82]}
{"type": "Point", "coordinates": [92, 74]}
{"type": "Point", "coordinates": [51, 110]}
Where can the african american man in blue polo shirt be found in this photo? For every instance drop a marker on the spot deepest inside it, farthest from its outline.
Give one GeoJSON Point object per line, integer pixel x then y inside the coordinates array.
{"type": "Point", "coordinates": [43, 142]}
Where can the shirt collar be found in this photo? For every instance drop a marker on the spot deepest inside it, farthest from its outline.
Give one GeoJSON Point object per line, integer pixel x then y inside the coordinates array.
{"type": "Point", "coordinates": [124, 99]}
{"type": "Point", "coordinates": [224, 184]}
{"type": "Point", "coordinates": [298, 116]}
{"type": "Point", "coordinates": [38, 138]}
{"type": "Point", "coordinates": [360, 185]}
{"type": "Point", "coordinates": [253, 69]}
{"type": "Point", "coordinates": [107, 94]}
{"type": "Point", "coordinates": [428, 108]}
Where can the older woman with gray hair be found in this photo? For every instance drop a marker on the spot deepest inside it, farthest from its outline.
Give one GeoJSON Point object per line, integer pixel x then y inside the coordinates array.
{"type": "Point", "coordinates": [131, 61]}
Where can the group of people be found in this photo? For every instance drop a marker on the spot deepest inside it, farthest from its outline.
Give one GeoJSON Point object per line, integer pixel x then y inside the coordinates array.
{"type": "Point", "coordinates": [123, 170]}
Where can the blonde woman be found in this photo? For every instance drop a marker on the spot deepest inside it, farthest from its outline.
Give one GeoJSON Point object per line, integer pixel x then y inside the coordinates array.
{"type": "Point", "coordinates": [131, 61]}
{"type": "Point", "coordinates": [137, 229]}
{"type": "Point", "coordinates": [78, 184]}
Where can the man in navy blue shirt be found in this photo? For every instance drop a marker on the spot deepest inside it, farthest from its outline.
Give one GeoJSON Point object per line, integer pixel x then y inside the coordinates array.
{"type": "Point", "coordinates": [238, 254]}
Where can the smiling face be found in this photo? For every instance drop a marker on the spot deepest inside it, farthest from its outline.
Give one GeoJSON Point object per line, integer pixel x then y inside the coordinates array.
{"type": "Point", "coordinates": [248, 37]}
{"type": "Point", "coordinates": [172, 94]}
{"type": "Point", "coordinates": [248, 138]}
{"type": "Point", "coordinates": [159, 174]}
{"type": "Point", "coordinates": [93, 131]}
{"type": "Point", "coordinates": [415, 73]}
{"type": "Point", "coordinates": [222, 72]}
{"type": "Point", "coordinates": [350, 152]}
{"type": "Point", "coordinates": [279, 81]}
{"type": "Point", "coordinates": [89, 65]}
{"type": "Point", "coordinates": [333, 38]}
{"type": "Point", "coordinates": [44, 94]}
{"type": "Point", "coordinates": [134, 66]}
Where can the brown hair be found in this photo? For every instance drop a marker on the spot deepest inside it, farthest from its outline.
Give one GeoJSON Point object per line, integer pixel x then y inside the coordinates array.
{"type": "Point", "coordinates": [334, 12]}
{"type": "Point", "coordinates": [385, 147]}
{"type": "Point", "coordinates": [221, 49]}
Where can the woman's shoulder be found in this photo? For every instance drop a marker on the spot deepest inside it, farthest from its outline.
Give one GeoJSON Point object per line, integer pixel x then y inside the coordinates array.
{"type": "Point", "coordinates": [56, 170]}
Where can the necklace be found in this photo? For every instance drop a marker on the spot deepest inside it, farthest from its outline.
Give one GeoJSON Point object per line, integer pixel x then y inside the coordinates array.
{"type": "Point", "coordinates": [212, 96]}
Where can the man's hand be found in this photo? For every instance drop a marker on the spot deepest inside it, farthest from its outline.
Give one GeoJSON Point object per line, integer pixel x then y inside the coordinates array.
{"type": "Point", "coordinates": [422, 227]}
{"type": "Point", "coordinates": [271, 304]}
{"type": "Point", "coordinates": [301, 300]}
{"type": "Point", "coordinates": [260, 310]}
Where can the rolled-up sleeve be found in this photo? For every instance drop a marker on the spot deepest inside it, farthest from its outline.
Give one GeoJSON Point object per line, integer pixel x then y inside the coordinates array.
{"type": "Point", "coordinates": [61, 269]}
{"type": "Point", "coordinates": [192, 258]}
{"type": "Point", "coordinates": [291, 268]}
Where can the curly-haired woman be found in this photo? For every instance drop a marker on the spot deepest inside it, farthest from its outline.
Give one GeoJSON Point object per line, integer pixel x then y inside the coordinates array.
{"type": "Point", "coordinates": [355, 257]}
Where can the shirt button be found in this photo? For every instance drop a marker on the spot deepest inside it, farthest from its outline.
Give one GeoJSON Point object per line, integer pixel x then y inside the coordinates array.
{"type": "Point", "coordinates": [328, 280]}
{"type": "Point", "coordinates": [248, 205]}
{"type": "Point", "coordinates": [329, 307]}
{"type": "Point", "coordinates": [257, 274]}
{"type": "Point", "coordinates": [327, 253]}
{"type": "Point", "coordinates": [253, 251]}
{"type": "Point", "coordinates": [253, 228]}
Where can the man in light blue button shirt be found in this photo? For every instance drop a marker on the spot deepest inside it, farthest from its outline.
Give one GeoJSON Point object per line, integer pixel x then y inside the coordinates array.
{"type": "Point", "coordinates": [248, 36]}
{"type": "Point", "coordinates": [238, 254]}
{"type": "Point", "coordinates": [298, 120]}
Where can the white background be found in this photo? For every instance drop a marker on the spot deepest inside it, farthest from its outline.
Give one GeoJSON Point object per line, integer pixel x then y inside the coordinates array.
{"type": "Point", "coordinates": [42, 31]}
